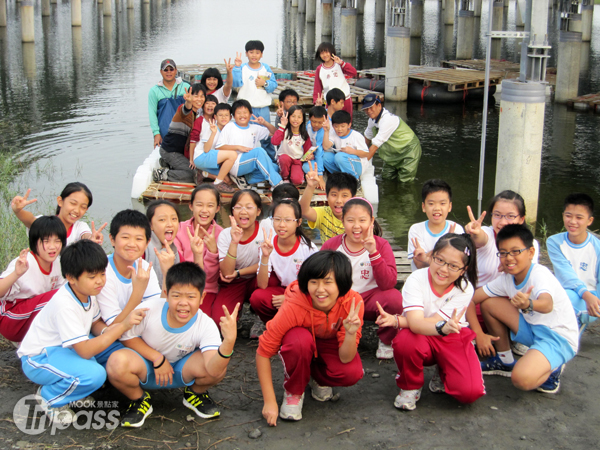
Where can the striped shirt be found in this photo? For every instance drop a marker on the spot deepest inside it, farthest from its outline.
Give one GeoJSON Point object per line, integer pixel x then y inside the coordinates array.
{"type": "Point", "coordinates": [327, 223]}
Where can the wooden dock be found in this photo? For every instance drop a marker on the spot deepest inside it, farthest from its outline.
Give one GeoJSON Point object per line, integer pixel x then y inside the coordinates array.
{"type": "Point", "coordinates": [303, 85]}
{"type": "Point", "coordinates": [193, 72]}
{"type": "Point", "coordinates": [497, 65]}
{"type": "Point", "coordinates": [589, 102]}
{"type": "Point", "coordinates": [403, 266]}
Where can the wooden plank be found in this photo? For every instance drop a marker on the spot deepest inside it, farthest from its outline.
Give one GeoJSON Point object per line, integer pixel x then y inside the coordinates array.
{"type": "Point", "coordinates": [479, 64]}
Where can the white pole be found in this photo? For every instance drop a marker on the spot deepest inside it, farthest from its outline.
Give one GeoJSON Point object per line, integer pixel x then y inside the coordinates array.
{"type": "Point", "coordinates": [326, 17]}
{"type": "Point", "coordinates": [108, 7]}
{"type": "Point", "coordinates": [76, 13]}
{"type": "Point", "coordinates": [311, 10]}
{"type": "Point", "coordinates": [348, 32]}
{"type": "Point", "coordinates": [27, 21]}
{"type": "Point", "coordinates": [567, 72]}
{"type": "Point", "coordinates": [45, 8]}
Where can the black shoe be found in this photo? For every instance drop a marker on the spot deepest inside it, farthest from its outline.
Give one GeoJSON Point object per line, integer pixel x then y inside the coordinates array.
{"type": "Point", "coordinates": [137, 411]}
{"type": "Point", "coordinates": [201, 404]}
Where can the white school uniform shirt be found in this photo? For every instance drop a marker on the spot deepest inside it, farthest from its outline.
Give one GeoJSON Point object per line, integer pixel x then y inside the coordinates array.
{"type": "Point", "coordinates": [363, 277]}
{"type": "Point", "coordinates": [561, 319]}
{"type": "Point", "coordinates": [287, 265]}
{"type": "Point", "coordinates": [33, 282]}
{"type": "Point", "coordinates": [333, 77]}
{"type": "Point", "coordinates": [419, 294]}
{"type": "Point", "coordinates": [204, 137]}
{"type": "Point", "coordinates": [355, 140]}
{"type": "Point", "coordinates": [75, 231]}
{"type": "Point", "coordinates": [248, 136]}
{"type": "Point", "coordinates": [488, 262]}
{"type": "Point", "coordinates": [247, 251]}
{"type": "Point", "coordinates": [116, 292]}
{"type": "Point", "coordinates": [220, 94]}
{"type": "Point", "coordinates": [387, 124]}
{"type": "Point", "coordinates": [174, 343]}
{"type": "Point", "coordinates": [426, 238]}
{"type": "Point", "coordinates": [63, 322]}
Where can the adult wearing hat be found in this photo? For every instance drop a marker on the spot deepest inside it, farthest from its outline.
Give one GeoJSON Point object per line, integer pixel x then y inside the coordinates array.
{"type": "Point", "coordinates": [164, 99]}
{"type": "Point", "coordinates": [388, 135]}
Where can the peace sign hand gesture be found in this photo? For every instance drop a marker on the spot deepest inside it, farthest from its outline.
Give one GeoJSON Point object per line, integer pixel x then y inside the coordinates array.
{"type": "Point", "coordinates": [369, 242]}
{"type": "Point", "coordinates": [384, 319]}
{"type": "Point", "coordinates": [521, 300]}
{"type": "Point", "coordinates": [259, 120]}
{"type": "Point", "coordinates": [187, 96]}
{"type": "Point", "coordinates": [236, 231]}
{"type": "Point", "coordinates": [453, 325]}
{"type": "Point", "coordinates": [210, 242]}
{"type": "Point", "coordinates": [452, 228]}
{"type": "Point", "coordinates": [267, 245]}
{"type": "Point", "coordinates": [337, 59]}
{"type": "Point", "coordinates": [228, 66]}
{"type": "Point", "coordinates": [166, 257]}
{"type": "Point", "coordinates": [228, 324]}
{"type": "Point", "coordinates": [22, 265]}
{"type": "Point", "coordinates": [284, 120]}
{"type": "Point", "coordinates": [238, 59]}
{"type": "Point", "coordinates": [18, 203]}
{"type": "Point", "coordinates": [312, 176]}
{"type": "Point", "coordinates": [213, 125]}
{"type": "Point", "coordinates": [352, 322]}
{"type": "Point", "coordinates": [419, 253]}
{"type": "Point", "coordinates": [196, 242]}
{"type": "Point", "coordinates": [97, 235]}
{"type": "Point", "coordinates": [474, 226]}
{"type": "Point", "coordinates": [319, 101]}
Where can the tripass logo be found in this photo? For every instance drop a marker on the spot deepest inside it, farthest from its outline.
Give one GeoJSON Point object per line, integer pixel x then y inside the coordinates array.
{"type": "Point", "coordinates": [30, 416]}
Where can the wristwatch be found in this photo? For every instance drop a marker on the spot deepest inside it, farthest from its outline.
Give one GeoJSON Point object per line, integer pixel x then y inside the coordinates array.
{"type": "Point", "coordinates": [439, 326]}
{"type": "Point", "coordinates": [529, 308]}
{"type": "Point", "coordinates": [237, 273]}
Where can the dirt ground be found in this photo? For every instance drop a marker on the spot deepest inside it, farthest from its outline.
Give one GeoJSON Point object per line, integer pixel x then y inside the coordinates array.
{"type": "Point", "coordinates": [364, 416]}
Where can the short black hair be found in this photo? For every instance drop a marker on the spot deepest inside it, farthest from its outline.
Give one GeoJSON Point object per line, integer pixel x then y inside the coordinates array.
{"type": "Point", "coordinates": [324, 47]}
{"type": "Point", "coordinates": [198, 87]}
{"type": "Point", "coordinates": [515, 230]}
{"type": "Point", "coordinates": [45, 227]}
{"type": "Point", "coordinates": [341, 116]}
{"type": "Point", "coordinates": [252, 193]}
{"type": "Point", "coordinates": [579, 198]}
{"type": "Point", "coordinates": [211, 98]}
{"type": "Point", "coordinates": [357, 201]}
{"type": "Point", "coordinates": [341, 180]}
{"type": "Point", "coordinates": [255, 45]}
{"type": "Point", "coordinates": [317, 112]}
{"type": "Point", "coordinates": [130, 218]}
{"type": "Point", "coordinates": [212, 72]}
{"type": "Point", "coordinates": [206, 187]}
{"type": "Point", "coordinates": [319, 264]}
{"type": "Point", "coordinates": [83, 256]}
{"type": "Point", "coordinates": [509, 196]}
{"type": "Point", "coordinates": [288, 93]}
{"type": "Point", "coordinates": [336, 95]}
{"type": "Point", "coordinates": [72, 188]}
{"type": "Point", "coordinates": [151, 208]}
{"type": "Point", "coordinates": [184, 274]}
{"type": "Point", "coordinates": [223, 107]}
{"type": "Point", "coordinates": [464, 244]}
{"type": "Point", "coordinates": [435, 185]}
{"type": "Point", "coordinates": [241, 104]}
{"type": "Point", "coordinates": [285, 190]}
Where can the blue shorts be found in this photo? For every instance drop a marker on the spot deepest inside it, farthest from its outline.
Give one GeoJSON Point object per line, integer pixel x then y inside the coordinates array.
{"type": "Point", "coordinates": [552, 345]}
{"type": "Point", "coordinates": [102, 357]}
{"type": "Point", "coordinates": [208, 162]}
{"type": "Point", "coordinates": [150, 382]}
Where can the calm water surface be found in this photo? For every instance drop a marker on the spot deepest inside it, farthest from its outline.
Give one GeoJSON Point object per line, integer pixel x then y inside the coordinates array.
{"type": "Point", "coordinates": [74, 104]}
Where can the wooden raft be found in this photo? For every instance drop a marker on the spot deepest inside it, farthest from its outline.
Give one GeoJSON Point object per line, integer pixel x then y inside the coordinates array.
{"type": "Point", "coordinates": [496, 65]}
{"type": "Point", "coordinates": [193, 72]}
{"type": "Point", "coordinates": [589, 102]}
{"type": "Point", "coordinates": [379, 72]}
{"type": "Point", "coordinates": [304, 87]}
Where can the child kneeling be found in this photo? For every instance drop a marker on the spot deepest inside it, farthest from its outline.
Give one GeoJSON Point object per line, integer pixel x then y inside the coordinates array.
{"type": "Point", "coordinates": [316, 332]}
{"type": "Point", "coordinates": [176, 345]}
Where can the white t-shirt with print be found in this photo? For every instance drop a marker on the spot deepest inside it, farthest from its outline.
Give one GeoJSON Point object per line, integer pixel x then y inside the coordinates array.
{"type": "Point", "coordinates": [355, 140]}
{"type": "Point", "coordinates": [248, 136]}
{"type": "Point", "coordinates": [247, 251]}
{"type": "Point", "coordinates": [287, 265]}
{"type": "Point", "coordinates": [426, 238]}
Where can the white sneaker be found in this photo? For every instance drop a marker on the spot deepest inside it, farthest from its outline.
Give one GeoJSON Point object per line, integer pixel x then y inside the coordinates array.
{"type": "Point", "coordinates": [320, 393]}
{"type": "Point", "coordinates": [61, 415]}
{"type": "Point", "coordinates": [519, 349]}
{"type": "Point", "coordinates": [291, 407]}
{"type": "Point", "coordinates": [407, 399]}
{"type": "Point", "coordinates": [384, 351]}
{"type": "Point", "coordinates": [436, 385]}
{"type": "Point", "coordinates": [258, 328]}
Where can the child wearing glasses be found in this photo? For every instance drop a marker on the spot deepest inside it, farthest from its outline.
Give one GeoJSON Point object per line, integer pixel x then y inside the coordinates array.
{"type": "Point", "coordinates": [239, 247]}
{"type": "Point", "coordinates": [281, 255]}
{"type": "Point", "coordinates": [433, 329]}
{"type": "Point", "coordinates": [531, 302]}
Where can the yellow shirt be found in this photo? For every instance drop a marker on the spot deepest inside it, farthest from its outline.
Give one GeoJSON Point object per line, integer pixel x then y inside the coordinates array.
{"type": "Point", "coordinates": [327, 223]}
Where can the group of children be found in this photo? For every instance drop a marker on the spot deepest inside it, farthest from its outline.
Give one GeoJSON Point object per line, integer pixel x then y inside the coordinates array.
{"type": "Point", "coordinates": [161, 310]}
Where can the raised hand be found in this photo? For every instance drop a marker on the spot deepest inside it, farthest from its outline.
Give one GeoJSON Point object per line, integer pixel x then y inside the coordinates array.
{"type": "Point", "coordinates": [196, 241]}
{"type": "Point", "coordinates": [238, 59]}
{"type": "Point", "coordinates": [134, 318]}
{"type": "Point", "coordinates": [312, 176]}
{"type": "Point", "coordinates": [278, 300]}
{"type": "Point", "coordinates": [384, 319]}
{"type": "Point", "coordinates": [187, 96]}
{"type": "Point", "coordinates": [453, 325]}
{"type": "Point", "coordinates": [352, 322]}
{"type": "Point", "coordinates": [259, 120]}
{"type": "Point", "coordinates": [140, 277]}
{"type": "Point", "coordinates": [284, 119]}
{"type": "Point", "coordinates": [166, 257]}
{"type": "Point", "coordinates": [369, 242]}
{"type": "Point", "coordinates": [319, 101]}
{"type": "Point", "coordinates": [280, 109]}
{"type": "Point", "coordinates": [337, 59]}
{"type": "Point", "coordinates": [210, 242]}
{"type": "Point", "coordinates": [236, 231]}
{"type": "Point", "coordinates": [452, 228]}
{"type": "Point", "coordinates": [327, 126]}
{"type": "Point", "coordinates": [521, 300]}
{"type": "Point", "coordinates": [97, 235]}
{"type": "Point", "coordinates": [22, 265]}
{"type": "Point", "coordinates": [267, 245]}
{"type": "Point", "coordinates": [18, 203]}
{"type": "Point", "coordinates": [228, 324]}
{"type": "Point", "coordinates": [228, 66]}
{"type": "Point", "coordinates": [474, 226]}
{"type": "Point", "coordinates": [213, 125]}
{"type": "Point", "coordinates": [419, 253]}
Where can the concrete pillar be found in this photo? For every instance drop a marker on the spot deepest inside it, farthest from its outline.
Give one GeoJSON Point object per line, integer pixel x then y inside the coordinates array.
{"type": "Point", "coordinates": [302, 6]}
{"type": "Point", "coordinates": [567, 73]}
{"type": "Point", "coordinates": [520, 136]}
{"type": "Point", "coordinates": [465, 35]}
{"type": "Point", "coordinates": [27, 21]}
{"type": "Point", "coordinates": [46, 8]}
{"type": "Point", "coordinates": [107, 7]}
{"type": "Point", "coordinates": [2, 13]}
{"type": "Point", "coordinates": [498, 12]}
{"type": "Point", "coordinates": [449, 12]}
{"type": "Point", "coordinates": [519, 16]}
{"type": "Point", "coordinates": [448, 39]}
{"type": "Point", "coordinates": [575, 23]}
{"type": "Point", "coordinates": [326, 17]}
{"type": "Point", "coordinates": [477, 7]}
{"type": "Point", "coordinates": [294, 3]}
{"type": "Point", "coordinates": [54, 2]}
{"type": "Point", "coordinates": [587, 18]}
{"type": "Point", "coordinates": [379, 11]}
{"type": "Point", "coordinates": [416, 18]}
{"type": "Point", "coordinates": [75, 13]}
{"type": "Point", "coordinates": [348, 32]}
{"type": "Point", "coordinates": [146, 1]}
{"type": "Point", "coordinates": [360, 6]}
{"type": "Point", "coordinates": [396, 63]}
{"type": "Point", "coordinates": [130, 4]}
{"type": "Point", "coordinates": [311, 10]}
{"type": "Point", "coordinates": [506, 3]}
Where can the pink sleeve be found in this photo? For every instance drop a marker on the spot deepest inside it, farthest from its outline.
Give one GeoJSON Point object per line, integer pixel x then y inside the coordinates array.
{"type": "Point", "coordinates": [195, 133]}
{"type": "Point", "coordinates": [349, 70]}
{"type": "Point", "coordinates": [211, 267]}
{"type": "Point", "coordinates": [318, 86]}
{"type": "Point", "coordinates": [384, 265]}
{"type": "Point", "coordinates": [277, 138]}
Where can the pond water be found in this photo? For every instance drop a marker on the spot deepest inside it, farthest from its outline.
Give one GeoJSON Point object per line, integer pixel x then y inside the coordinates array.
{"type": "Point", "coordinates": [73, 105]}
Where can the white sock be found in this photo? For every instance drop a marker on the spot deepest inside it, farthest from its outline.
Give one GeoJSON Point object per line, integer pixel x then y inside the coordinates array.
{"type": "Point", "coordinates": [506, 357]}
{"type": "Point", "coordinates": [217, 181]}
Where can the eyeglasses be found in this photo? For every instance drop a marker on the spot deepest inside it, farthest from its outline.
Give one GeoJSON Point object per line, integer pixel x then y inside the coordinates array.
{"type": "Point", "coordinates": [168, 69]}
{"type": "Point", "coordinates": [451, 267]}
{"type": "Point", "coordinates": [499, 216]}
{"type": "Point", "coordinates": [511, 253]}
{"type": "Point", "coordinates": [287, 220]}
{"type": "Point", "coordinates": [240, 208]}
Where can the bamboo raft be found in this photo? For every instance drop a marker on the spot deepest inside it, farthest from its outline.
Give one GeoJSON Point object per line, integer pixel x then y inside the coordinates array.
{"type": "Point", "coordinates": [303, 85]}
{"type": "Point", "coordinates": [589, 102]}
{"type": "Point", "coordinates": [193, 72]}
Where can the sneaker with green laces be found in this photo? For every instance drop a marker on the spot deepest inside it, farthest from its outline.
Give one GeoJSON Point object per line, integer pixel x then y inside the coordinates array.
{"type": "Point", "coordinates": [201, 404]}
{"type": "Point", "coordinates": [137, 411]}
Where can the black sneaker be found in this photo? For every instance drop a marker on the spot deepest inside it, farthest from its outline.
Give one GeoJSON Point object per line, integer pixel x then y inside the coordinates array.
{"type": "Point", "coordinates": [137, 411]}
{"type": "Point", "coordinates": [201, 404]}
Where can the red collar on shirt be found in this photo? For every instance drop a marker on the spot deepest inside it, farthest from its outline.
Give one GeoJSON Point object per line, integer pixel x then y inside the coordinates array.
{"type": "Point", "coordinates": [251, 238]}
{"type": "Point", "coordinates": [38, 263]}
{"type": "Point", "coordinates": [448, 289]}
{"type": "Point", "coordinates": [291, 252]}
{"type": "Point", "coordinates": [68, 231]}
{"type": "Point", "coordinates": [350, 252]}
